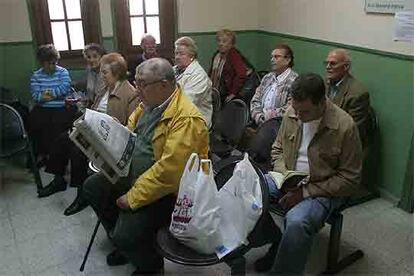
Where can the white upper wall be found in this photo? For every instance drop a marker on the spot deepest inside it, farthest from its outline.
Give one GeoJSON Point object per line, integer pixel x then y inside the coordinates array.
{"type": "Point", "coordinates": [14, 21]}
{"type": "Point", "coordinates": [213, 15]}
{"type": "Point", "coordinates": [342, 21]}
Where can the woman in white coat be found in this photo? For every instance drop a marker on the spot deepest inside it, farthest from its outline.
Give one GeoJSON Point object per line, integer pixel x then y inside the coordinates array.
{"type": "Point", "coordinates": [192, 78]}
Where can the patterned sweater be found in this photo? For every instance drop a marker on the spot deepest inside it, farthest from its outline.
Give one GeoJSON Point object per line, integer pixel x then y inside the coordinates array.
{"type": "Point", "coordinates": [283, 93]}
{"type": "Point", "coordinates": [56, 84]}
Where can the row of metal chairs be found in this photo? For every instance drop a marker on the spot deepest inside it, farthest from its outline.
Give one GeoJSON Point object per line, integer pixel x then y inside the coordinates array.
{"type": "Point", "coordinates": [14, 139]}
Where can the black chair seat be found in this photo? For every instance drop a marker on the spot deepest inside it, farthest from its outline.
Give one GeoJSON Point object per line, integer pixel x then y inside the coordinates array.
{"type": "Point", "coordinates": [264, 232]}
{"type": "Point", "coordinates": [219, 147]}
{"type": "Point", "coordinates": [179, 253]}
{"type": "Point", "coordinates": [14, 140]}
{"type": "Point", "coordinates": [11, 147]}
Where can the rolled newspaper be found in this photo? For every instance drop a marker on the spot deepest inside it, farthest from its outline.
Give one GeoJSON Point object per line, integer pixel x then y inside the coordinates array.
{"type": "Point", "coordinates": [106, 142]}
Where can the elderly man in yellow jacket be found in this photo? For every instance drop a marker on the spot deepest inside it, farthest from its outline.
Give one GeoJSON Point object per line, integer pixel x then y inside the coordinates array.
{"type": "Point", "coordinates": [169, 128]}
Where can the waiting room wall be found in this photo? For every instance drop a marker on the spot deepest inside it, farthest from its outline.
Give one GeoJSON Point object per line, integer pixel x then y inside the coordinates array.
{"type": "Point", "coordinates": [310, 27]}
{"type": "Point", "coordinates": [385, 66]}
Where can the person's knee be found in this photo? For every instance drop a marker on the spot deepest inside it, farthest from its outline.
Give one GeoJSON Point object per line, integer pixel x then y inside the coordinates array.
{"type": "Point", "coordinates": [127, 237]}
{"type": "Point", "coordinates": [296, 225]}
{"type": "Point", "coordinates": [299, 222]}
{"type": "Point", "coordinates": [92, 186]}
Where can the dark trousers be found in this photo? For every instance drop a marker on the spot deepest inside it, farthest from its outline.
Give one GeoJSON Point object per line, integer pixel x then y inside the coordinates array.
{"type": "Point", "coordinates": [62, 151]}
{"type": "Point", "coordinates": [133, 232]}
{"type": "Point", "coordinates": [261, 144]}
{"type": "Point", "coordinates": [46, 124]}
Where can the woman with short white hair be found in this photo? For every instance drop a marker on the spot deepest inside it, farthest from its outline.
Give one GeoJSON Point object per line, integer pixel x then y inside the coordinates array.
{"type": "Point", "coordinates": [192, 78]}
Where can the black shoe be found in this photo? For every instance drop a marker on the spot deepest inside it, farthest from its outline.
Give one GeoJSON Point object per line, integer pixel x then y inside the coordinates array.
{"type": "Point", "coordinates": [265, 263]}
{"type": "Point", "coordinates": [158, 271]}
{"type": "Point", "coordinates": [116, 258]}
{"type": "Point", "coordinates": [56, 185]}
{"type": "Point", "coordinates": [155, 270]}
{"type": "Point", "coordinates": [76, 206]}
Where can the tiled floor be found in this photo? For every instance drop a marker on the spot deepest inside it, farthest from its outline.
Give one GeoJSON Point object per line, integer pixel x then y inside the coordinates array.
{"type": "Point", "coordinates": [36, 239]}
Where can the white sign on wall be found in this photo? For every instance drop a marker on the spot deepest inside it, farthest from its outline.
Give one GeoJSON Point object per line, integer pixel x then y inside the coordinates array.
{"type": "Point", "coordinates": [384, 6]}
{"type": "Point", "coordinates": [404, 26]}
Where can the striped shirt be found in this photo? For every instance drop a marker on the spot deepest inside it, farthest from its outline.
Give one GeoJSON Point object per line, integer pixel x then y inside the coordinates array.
{"type": "Point", "coordinates": [57, 85]}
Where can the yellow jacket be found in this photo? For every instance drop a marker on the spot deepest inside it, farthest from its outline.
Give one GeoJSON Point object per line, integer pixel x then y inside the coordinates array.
{"type": "Point", "coordinates": [180, 132]}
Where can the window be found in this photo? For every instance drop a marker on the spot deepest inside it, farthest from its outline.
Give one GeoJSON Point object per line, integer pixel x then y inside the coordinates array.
{"type": "Point", "coordinates": [144, 18]}
{"type": "Point", "coordinates": [135, 17]}
{"type": "Point", "coordinates": [68, 24]}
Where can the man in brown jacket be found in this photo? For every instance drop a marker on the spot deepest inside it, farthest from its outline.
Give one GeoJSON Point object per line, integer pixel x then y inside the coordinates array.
{"type": "Point", "coordinates": [322, 140]}
{"type": "Point", "coordinates": [346, 91]}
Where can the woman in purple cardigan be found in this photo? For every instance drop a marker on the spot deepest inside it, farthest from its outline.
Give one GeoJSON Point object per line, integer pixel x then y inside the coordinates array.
{"type": "Point", "coordinates": [228, 70]}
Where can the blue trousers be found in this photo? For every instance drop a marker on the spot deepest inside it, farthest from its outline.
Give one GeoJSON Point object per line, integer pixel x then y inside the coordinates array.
{"type": "Point", "coordinates": [302, 222]}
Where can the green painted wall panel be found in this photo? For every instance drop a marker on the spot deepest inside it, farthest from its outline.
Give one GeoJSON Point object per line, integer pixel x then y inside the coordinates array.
{"type": "Point", "coordinates": [390, 83]}
{"type": "Point", "coordinates": [388, 77]}
{"type": "Point", "coordinates": [18, 63]}
{"type": "Point", "coordinates": [108, 43]}
{"type": "Point", "coordinates": [2, 66]}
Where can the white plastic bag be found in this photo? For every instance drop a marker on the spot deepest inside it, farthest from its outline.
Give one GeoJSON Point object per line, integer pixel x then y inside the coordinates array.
{"type": "Point", "coordinates": [196, 216]}
{"type": "Point", "coordinates": [241, 206]}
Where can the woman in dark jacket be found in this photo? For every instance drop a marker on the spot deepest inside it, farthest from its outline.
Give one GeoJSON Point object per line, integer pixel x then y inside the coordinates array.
{"type": "Point", "coordinates": [228, 70]}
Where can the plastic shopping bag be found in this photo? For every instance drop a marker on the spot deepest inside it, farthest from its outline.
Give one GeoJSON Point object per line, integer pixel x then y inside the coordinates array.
{"type": "Point", "coordinates": [196, 216]}
{"type": "Point", "coordinates": [241, 207]}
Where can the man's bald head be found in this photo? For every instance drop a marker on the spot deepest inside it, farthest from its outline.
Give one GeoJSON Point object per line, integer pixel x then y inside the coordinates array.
{"type": "Point", "coordinates": [155, 69]}
{"type": "Point", "coordinates": [337, 64]}
{"type": "Point", "coordinates": [149, 46]}
{"type": "Point", "coordinates": [155, 81]}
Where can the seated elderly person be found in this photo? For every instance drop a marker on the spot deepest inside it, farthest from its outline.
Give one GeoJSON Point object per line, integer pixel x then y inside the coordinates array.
{"type": "Point", "coordinates": [49, 87]}
{"type": "Point", "coordinates": [169, 128]}
{"type": "Point", "coordinates": [318, 138]}
{"type": "Point", "coordinates": [228, 70]}
{"type": "Point", "coordinates": [346, 91]}
{"type": "Point", "coordinates": [92, 82]}
{"type": "Point", "coordinates": [117, 98]}
{"type": "Point", "coordinates": [149, 50]}
{"type": "Point", "coordinates": [192, 78]}
{"type": "Point", "coordinates": [270, 102]}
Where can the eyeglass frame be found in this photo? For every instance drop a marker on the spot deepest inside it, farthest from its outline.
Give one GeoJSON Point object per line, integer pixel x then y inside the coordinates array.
{"type": "Point", "coordinates": [279, 56]}
{"type": "Point", "coordinates": [141, 84]}
{"type": "Point", "coordinates": [334, 64]}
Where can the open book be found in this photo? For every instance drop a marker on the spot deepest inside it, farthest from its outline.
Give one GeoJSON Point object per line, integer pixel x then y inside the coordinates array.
{"type": "Point", "coordinates": [289, 179]}
{"type": "Point", "coordinates": [106, 142]}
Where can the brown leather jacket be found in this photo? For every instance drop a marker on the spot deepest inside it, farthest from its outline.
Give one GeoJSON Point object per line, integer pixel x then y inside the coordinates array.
{"type": "Point", "coordinates": [353, 97]}
{"type": "Point", "coordinates": [121, 102]}
{"type": "Point", "coordinates": [334, 153]}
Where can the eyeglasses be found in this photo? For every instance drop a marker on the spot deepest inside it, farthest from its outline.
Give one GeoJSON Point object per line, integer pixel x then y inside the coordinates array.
{"type": "Point", "coordinates": [141, 84]}
{"type": "Point", "coordinates": [278, 56]}
{"type": "Point", "coordinates": [334, 64]}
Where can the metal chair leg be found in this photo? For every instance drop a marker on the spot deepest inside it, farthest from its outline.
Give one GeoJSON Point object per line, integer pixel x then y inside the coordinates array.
{"type": "Point", "coordinates": [85, 258]}
{"type": "Point", "coordinates": [334, 264]}
{"type": "Point", "coordinates": [34, 168]}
